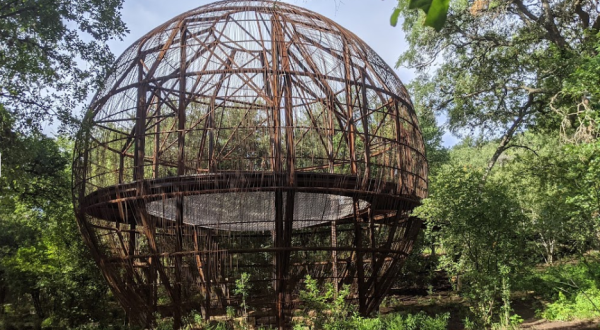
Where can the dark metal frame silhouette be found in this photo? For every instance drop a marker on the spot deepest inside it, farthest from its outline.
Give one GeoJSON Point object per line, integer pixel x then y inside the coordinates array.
{"type": "Point", "coordinates": [248, 136]}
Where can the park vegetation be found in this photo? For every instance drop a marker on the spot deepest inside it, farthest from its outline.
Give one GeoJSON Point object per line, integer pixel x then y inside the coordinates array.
{"type": "Point", "coordinates": [513, 209]}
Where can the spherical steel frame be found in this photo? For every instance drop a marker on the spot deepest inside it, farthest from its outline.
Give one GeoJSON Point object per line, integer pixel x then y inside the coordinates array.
{"type": "Point", "coordinates": [248, 109]}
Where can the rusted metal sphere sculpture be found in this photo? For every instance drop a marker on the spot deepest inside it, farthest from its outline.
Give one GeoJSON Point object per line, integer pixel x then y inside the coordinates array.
{"type": "Point", "coordinates": [248, 137]}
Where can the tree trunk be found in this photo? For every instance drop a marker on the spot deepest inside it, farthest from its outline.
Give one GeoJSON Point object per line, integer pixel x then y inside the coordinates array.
{"type": "Point", "coordinates": [37, 304]}
{"type": "Point", "coordinates": [507, 137]}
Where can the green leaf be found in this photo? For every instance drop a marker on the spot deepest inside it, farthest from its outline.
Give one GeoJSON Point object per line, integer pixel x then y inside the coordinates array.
{"type": "Point", "coordinates": [437, 13]}
{"type": "Point", "coordinates": [420, 4]}
{"type": "Point", "coordinates": [394, 18]}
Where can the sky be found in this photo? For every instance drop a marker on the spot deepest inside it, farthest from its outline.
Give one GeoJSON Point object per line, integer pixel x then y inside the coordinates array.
{"type": "Point", "coordinates": [368, 19]}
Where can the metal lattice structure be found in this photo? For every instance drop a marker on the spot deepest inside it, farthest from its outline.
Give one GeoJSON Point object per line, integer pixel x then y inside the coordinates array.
{"type": "Point", "coordinates": [248, 137]}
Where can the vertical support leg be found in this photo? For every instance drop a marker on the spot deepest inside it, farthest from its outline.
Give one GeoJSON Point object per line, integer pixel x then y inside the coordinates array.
{"type": "Point", "coordinates": [334, 268]}
{"type": "Point", "coordinates": [207, 270]}
{"type": "Point", "coordinates": [282, 240]}
{"type": "Point", "coordinates": [279, 259]}
{"type": "Point", "coordinates": [373, 245]}
{"type": "Point", "coordinates": [181, 120]}
{"type": "Point", "coordinates": [131, 252]}
{"type": "Point", "coordinates": [200, 266]}
{"type": "Point", "coordinates": [152, 279]}
{"type": "Point", "coordinates": [178, 263]}
{"type": "Point", "coordinates": [359, 262]}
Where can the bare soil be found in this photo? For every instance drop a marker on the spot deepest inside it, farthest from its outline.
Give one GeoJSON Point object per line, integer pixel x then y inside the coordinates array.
{"type": "Point", "coordinates": [443, 300]}
{"type": "Point", "coordinates": [560, 325]}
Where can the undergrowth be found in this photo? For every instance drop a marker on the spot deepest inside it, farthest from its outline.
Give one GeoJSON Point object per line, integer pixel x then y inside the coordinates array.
{"type": "Point", "coordinates": [570, 291]}
{"type": "Point", "coordinates": [327, 310]}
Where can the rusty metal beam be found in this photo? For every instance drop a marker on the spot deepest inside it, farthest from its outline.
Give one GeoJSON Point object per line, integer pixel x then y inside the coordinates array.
{"type": "Point", "coordinates": [257, 138]}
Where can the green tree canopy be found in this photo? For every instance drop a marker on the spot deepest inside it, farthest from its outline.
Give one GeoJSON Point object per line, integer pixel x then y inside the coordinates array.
{"type": "Point", "coordinates": [499, 67]}
{"type": "Point", "coordinates": [51, 52]}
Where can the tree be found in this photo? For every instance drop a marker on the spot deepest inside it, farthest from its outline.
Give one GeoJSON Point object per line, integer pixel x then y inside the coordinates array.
{"type": "Point", "coordinates": [437, 154]}
{"type": "Point", "coordinates": [44, 265]}
{"type": "Point", "coordinates": [578, 103]}
{"type": "Point", "coordinates": [499, 67]}
{"type": "Point", "coordinates": [436, 12]}
{"type": "Point", "coordinates": [51, 53]}
{"type": "Point", "coordinates": [481, 232]}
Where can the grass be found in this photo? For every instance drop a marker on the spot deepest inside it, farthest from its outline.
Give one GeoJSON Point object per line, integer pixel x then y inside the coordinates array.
{"type": "Point", "coordinates": [567, 291]}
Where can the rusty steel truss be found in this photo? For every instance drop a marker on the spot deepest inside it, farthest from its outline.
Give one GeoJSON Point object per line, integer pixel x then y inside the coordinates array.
{"type": "Point", "coordinates": [248, 137]}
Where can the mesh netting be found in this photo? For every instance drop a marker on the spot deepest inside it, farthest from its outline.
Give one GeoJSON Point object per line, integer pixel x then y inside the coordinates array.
{"type": "Point", "coordinates": [248, 137]}
{"type": "Point", "coordinates": [254, 211]}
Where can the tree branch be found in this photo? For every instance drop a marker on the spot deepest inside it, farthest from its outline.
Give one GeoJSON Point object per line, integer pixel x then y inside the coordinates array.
{"type": "Point", "coordinates": [596, 25]}
{"type": "Point", "coordinates": [507, 137]}
{"type": "Point", "coordinates": [464, 96]}
{"type": "Point", "coordinates": [532, 90]}
{"type": "Point", "coordinates": [523, 9]}
{"type": "Point", "coordinates": [551, 29]}
{"type": "Point", "coordinates": [523, 147]}
{"type": "Point", "coordinates": [583, 16]}
{"type": "Point", "coordinates": [546, 20]}
{"type": "Point", "coordinates": [17, 12]}
{"type": "Point", "coordinates": [8, 4]}
{"type": "Point", "coordinates": [27, 101]}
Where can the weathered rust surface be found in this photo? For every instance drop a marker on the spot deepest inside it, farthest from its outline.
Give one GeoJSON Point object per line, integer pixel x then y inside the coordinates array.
{"type": "Point", "coordinates": [248, 136]}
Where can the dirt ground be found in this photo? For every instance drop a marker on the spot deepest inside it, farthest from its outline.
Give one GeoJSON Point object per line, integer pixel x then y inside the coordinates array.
{"type": "Point", "coordinates": [443, 301]}
{"type": "Point", "coordinates": [559, 325]}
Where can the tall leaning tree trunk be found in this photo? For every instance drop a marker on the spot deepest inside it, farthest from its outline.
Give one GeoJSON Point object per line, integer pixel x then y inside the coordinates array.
{"type": "Point", "coordinates": [37, 305]}
{"type": "Point", "coordinates": [508, 136]}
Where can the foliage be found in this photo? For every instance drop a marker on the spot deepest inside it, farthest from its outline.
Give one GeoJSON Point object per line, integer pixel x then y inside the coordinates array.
{"type": "Point", "coordinates": [43, 264]}
{"type": "Point", "coordinates": [541, 203]}
{"type": "Point", "coordinates": [418, 270]}
{"type": "Point", "coordinates": [416, 322]}
{"type": "Point", "coordinates": [435, 11]}
{"type": "Point", "coordinates": [570, 289]}
{"type": "Point", "coordinates": [164, 323]}
{"type": "Point", "coordinates": [581, 172]}
{"type": "Point", "coordinates": [193, 320]}
{"type": "Point", "coordinates": [518, 81]}
{"type": "Point", "coordinates": [498, 68]}
{"type": "Point", "coordinates": [51, 53]}
{"type": "Point", "coordinates": [578, 102]}
{"type": "Point", "coordinates": [479, 229]}
{"type": "Point", "coordinates": [323, 309]}
{"type": "Point", "coordinates": [583, 305]}
{"type": "Point", "coordinates": [557, 187]}
{"type": "Point", "coordinates": [432, 133]}
{"type": "Point", "coordinates": [242, 288]}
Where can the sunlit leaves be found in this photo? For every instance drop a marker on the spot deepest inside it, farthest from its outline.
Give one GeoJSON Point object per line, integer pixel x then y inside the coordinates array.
{"type": "Point", "coordinates": [51, 55]}
{"type": "Point", "coordinates": [394, 17]}
{"type": "Point", "coordinates": [478, 227]}
{"type": "Point", "coordinates": [435, 11]}
{"type": "Point", "coordinates": [42, 257]}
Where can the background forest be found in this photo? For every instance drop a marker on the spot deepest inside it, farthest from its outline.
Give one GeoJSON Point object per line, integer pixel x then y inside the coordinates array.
{"type": "Point", "coordinates": [513, 210]}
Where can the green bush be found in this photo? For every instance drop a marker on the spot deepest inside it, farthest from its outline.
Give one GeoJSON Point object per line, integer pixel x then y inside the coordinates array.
{"type": "Point", "coordinates": [564, 278]}
{"type": "Point", "coordinates": [572, 290]}
{"type": "Point", "coordinates": [420, 321]}
{"type": "Point", "coordinates": [369, 324]}
{"type": "Point", "coordinates": [324, 310]}
{"type": "Point", "coordinates": [582, 305]}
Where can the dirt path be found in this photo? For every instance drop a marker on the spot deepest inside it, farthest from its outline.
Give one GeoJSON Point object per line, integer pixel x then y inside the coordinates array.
{"type": "Point", "coordinates": [560, 325]}
{"type": "Point", "coordinates": [445, 301]}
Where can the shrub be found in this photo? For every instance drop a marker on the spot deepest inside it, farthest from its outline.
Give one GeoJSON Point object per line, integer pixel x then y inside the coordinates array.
{"type": "Point", "coordinates": [323, 310]}
{"type": "Point", "coordinates": [582, 305]}
{"type": "Point", "coordinates": [419, 321]}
